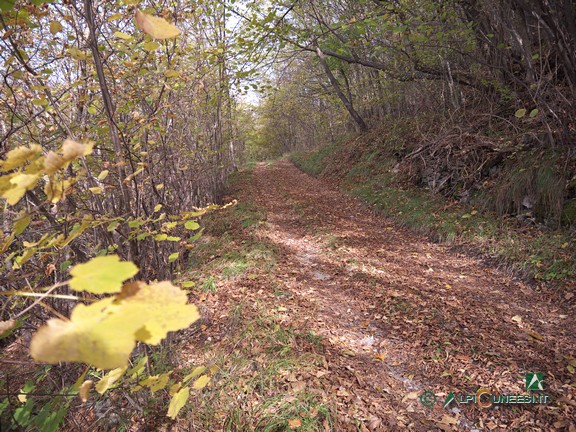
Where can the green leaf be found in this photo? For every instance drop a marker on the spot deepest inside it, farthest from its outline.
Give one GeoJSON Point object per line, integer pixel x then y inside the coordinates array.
{"type": "Point", "coordinates": [173, 257]}
{"type": "Point", "coordinates": [534, 112]}
{"type": "Point", "coordinates": [520, 113]}
{"type": "Point", "coordinates": [101, 275]}
{"type": "Point", "coordinates": [112, 226]}
{"type": "Point", "coordinates": [55, 27]}
{"type": "Point", "coordinates": [192, 225]}
{"type": "Point", "coordinates": [156, 27]}
{"type": "Point", "coordinates": [6, 5]}
{"type": "Point", "coordinates": [178, 401]}
{"type": "Point", "coordinates": [21, 225]}
{"type": "Point", "coordinates": [139, 368]}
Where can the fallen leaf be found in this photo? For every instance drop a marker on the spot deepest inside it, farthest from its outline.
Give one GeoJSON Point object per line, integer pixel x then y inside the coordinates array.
{"type": "Point", "coordinates": [6, 326]}
{"type": "Point", "coordinates": [85, 390]}
{"type": "Point", "coordinates": [410, 396]}
{"type": "Point", "coordinates": [535, 335]}
{"type": "Point", "coordinates": [294, 423]}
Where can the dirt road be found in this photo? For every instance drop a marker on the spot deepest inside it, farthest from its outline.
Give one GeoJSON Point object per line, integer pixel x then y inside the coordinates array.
{"type": "Point", "coordinates": [400, 315]}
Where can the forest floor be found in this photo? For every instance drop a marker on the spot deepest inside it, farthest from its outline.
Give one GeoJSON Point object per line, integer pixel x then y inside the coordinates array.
{"type": "Point", "coordinates": [323, 315]}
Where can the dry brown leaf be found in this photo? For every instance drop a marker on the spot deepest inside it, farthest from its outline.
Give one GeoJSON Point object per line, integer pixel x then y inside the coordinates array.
{"type": "Point", "coordinates": [294, 423]}
{"type": "Point", "coordinates": [410, 396]}
{"type": "Point", "coordinates": [374, 422]}
{"type": "Point", "coordinates": [85, 390]}
{"type": "Point", "coordinates": [6, 326]}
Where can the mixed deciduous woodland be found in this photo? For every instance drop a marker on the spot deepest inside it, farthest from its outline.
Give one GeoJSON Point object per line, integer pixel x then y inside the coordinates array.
{"type": "Point", "coordinates": [316, 215]}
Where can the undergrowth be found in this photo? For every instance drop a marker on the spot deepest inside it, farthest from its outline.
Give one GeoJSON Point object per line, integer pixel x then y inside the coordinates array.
{"type": "Point", "coordinates": [370, 171]}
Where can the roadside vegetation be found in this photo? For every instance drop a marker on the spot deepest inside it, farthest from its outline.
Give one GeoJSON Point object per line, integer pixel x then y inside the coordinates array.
{"type": "Point", "coordinates": [370, 167]}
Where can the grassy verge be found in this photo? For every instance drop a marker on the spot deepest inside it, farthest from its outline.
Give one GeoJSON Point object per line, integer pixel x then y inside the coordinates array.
{"type": "Point", "coordinates": [258, 371]}
{"type": "Point", "coordinates": [371, 174]}
{"type": "Point", "coordinates": [258, 362]}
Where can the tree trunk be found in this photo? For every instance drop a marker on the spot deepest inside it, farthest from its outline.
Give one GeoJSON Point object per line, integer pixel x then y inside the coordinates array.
{"type": "Point", "coordinates": [360, 123]}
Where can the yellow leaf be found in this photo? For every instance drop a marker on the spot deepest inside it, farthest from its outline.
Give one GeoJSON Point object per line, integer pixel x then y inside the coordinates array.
{"type": "Point", "coordinates": [77, 54]}
{"type": "Point", "coordinates": [178, 401]}
{"type": "Point", "coordinates": [101, 275]}
{"type": "Point", "coordinates": [85, 390]}
{"type": "Point", "coordinates": [53, 162]}
{"type": "Point", "coordinates": [40, 102]}
{"type": "Point", "coordinates": [55, 190]}
{"type": "Point", "coordinates": [156, 382]}
{"type": "Point", "coordinates": [105, 332]}
{"type": "Point", "coordinates": [199, 370]}
{"type": "Point", "coordinates": [151, 46]}
{"type": "Point", "coordinates": [72, 149]}
{"type": "Point", "coordinates": [96, 190]}
{"type": "Point", "coordinates": [517, 318]}
{"type": "Point", "coordinates": [94, 335]}
{"type": "Point", "coordinates": [157, 208]}
{"type": "Point", "coordinates": [19, 156]}
{"type": "Point", "coordinates": [173, 257]}
{"type": "Point", "coordinates": [156, 27]}
{"type": "Point", "coordinates": [109, 379]}
{"type": "Point", "coordinates": [19, 184]}
{"type": "Point", "coordinates": [55, 27]}
{"type": "Point", "coordinates": [122, 35]}
{"type": "Point", "coordinates": [166, 309]}
{"type": "Point", "coordinates": [103, 175]}
{"type": "Point", "coordinates": [170, 73]}
{"type": "Point", "coordinates": [114, 17]}
{"type": "Point", "coordinates": [175, 388]}
{"type": "Point", "coordinates": [201, 382]}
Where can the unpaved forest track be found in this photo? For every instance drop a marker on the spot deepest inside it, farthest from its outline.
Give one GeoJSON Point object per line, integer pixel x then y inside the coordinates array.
{"type": "Point", "coordinates": [400, 315]}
